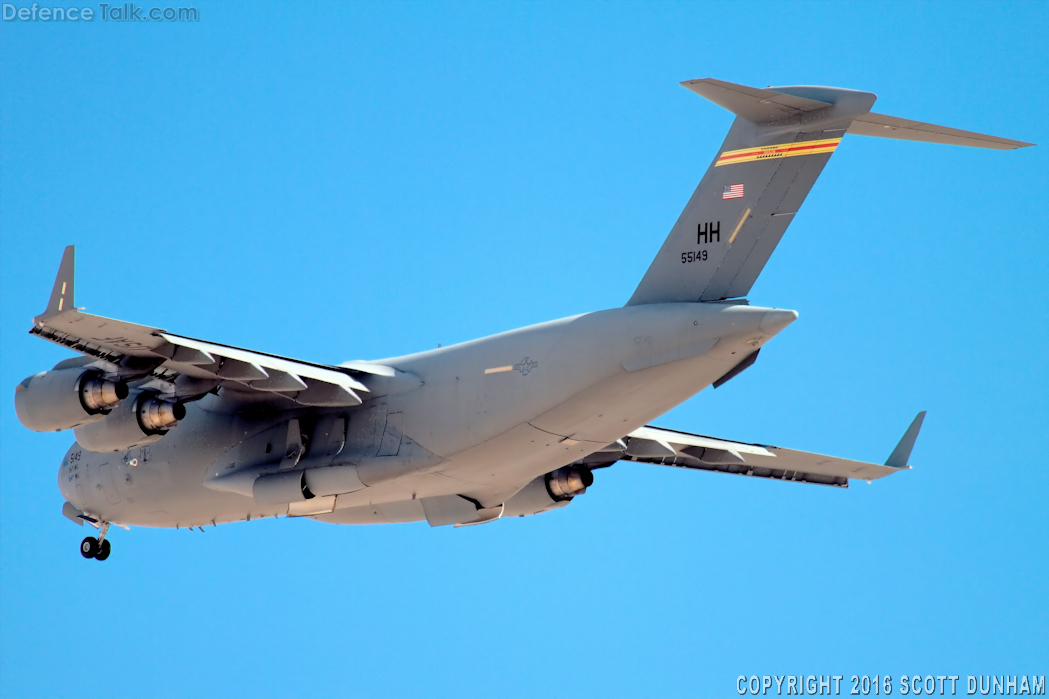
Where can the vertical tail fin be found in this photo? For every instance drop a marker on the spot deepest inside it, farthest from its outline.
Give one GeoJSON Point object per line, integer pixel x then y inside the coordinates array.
{"type": "Point", "coordinates": [772, 155]}
{"type": "Point", "coordinates": [777, 147]}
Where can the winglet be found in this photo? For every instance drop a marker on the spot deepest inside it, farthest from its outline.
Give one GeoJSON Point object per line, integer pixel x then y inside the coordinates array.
{"type": "Point", "coordinates": [62, 293]}
{"type": "Point", "coordinates": [902, 452]}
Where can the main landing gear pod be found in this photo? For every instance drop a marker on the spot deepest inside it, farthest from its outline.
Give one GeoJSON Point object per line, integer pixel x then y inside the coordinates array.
{"type": "Point", "coordinates": [281, 488]}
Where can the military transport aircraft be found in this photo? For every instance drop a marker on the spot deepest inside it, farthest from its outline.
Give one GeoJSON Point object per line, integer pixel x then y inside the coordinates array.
{"type": "Point", "coordinates": [173, 431]}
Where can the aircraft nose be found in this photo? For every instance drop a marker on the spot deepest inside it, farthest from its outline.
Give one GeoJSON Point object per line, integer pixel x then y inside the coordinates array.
{"type": "Point", "coordinates": [775, 320]}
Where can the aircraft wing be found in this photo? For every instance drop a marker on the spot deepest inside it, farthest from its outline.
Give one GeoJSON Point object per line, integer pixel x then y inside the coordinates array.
{"type": "Point", "coordinates": [663, 447]}
{"type": "Point", "coordinates": [183, 367]}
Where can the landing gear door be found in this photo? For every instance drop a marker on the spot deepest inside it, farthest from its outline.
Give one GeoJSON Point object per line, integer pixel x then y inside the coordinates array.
{"type": "Point", "coordinates": [329, 438]}
{"type": "Point", "coordinates": [293, 446]}
{"type": "Point", "coordinates": [391, 438]}
{"type": "Point", "coordinates": [327, 442]}
{"type": "Point", "coordinates": [367, 427]}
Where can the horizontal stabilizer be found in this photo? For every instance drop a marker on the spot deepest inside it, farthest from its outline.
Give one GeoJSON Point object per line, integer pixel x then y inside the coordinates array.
{"type": "Point", "coordinates": [751, 103]}
{"type": "Point", "coordinates": [883, 126]}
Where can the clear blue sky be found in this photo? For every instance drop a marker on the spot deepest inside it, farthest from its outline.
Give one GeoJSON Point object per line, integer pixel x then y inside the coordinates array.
{"type": "Point", "coordinates": [341, 181]}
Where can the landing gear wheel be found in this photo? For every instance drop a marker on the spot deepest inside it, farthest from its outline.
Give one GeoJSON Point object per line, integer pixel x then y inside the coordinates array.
{"type": "Point", "coordinates": [89, 547]}
{"type": "Point", "coordinates": [103, 550]}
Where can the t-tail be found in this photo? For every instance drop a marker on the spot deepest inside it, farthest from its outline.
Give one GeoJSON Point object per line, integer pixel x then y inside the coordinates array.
{"type": "Point", "coordinates": [777, 147]}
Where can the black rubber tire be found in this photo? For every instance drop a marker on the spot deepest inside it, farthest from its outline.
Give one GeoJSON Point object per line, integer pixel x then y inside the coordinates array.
{"type": "Point", "coordinates": [103, 551]}
{"type": "Point", "coordinates": [89, 547]}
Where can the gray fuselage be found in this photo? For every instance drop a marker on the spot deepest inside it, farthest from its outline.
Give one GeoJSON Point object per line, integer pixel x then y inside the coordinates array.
{"type": "Point", "coordinates": [479, 419]}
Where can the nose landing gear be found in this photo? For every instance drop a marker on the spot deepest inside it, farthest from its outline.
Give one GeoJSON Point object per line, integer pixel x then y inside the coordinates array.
{"type": "Point", "coordinates": [92, 548]}
{"type": "Point", "coordinates": [98, 548]}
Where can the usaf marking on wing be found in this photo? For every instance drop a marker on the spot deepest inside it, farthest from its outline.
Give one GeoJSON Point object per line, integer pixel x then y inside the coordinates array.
{"type": "Point", "coordinates": [172, 431]}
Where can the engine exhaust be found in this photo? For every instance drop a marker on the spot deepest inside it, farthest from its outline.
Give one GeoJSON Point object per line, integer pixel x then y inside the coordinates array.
{"type": "Point", "coordinates": [155, 415]}
{"type": "Point", "coordinates": [98, 394]}
{"type": "Point", "coordinates": [565, 483]}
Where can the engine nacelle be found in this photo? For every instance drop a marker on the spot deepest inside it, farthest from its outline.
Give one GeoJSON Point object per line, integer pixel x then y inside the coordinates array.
{"type": "Point", "coordinates": [555, 489]}
{"type": "Point", "coordinates": [60, 399]}
{"type": "Point", "coordinates": [142, 419]}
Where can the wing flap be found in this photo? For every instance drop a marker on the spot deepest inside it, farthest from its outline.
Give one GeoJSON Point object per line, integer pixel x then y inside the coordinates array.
{"type": "Point", "coordinates": [684, 439]}
{"type": "Point", "coordinates": [268, 363]}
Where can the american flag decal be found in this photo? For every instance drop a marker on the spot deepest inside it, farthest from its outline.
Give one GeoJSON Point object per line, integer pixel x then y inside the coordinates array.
{"type": "Point", "coordinates": [734, 191]}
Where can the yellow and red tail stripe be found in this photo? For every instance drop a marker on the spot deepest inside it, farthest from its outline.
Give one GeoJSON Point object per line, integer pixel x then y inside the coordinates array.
{"type": "Point", "coordinates": [780, 150]}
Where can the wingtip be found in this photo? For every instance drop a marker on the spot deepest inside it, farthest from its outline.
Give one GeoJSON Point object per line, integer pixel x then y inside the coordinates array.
{"type": "Point", "coordinates": [902, 453]}
{"type": "Point", "coordinates": [62, 298]}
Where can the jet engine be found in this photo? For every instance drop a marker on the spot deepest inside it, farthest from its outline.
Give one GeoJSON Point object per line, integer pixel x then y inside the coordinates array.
{"type": "Point", "coordinates": [60, 399]}
{"type": "Point", "coordinates": [565, 483]}
{"type": "Point", "coordinates": [142, 419]}
{"type": "Point", "coordinates": [555, 489]}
